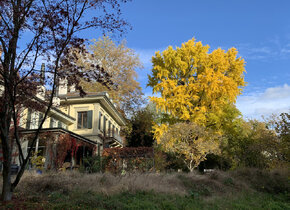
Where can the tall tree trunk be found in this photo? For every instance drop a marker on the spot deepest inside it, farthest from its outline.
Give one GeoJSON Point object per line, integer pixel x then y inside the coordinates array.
{"type": "Point", "coordinates": [7, 186]}
{"type": "Point", "coordinates": [7, 160]}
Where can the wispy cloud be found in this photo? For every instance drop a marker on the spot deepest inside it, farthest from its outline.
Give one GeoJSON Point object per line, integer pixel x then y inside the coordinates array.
{"type": "Point", "coordinates": [250, 52]}
{"type": "Point", "coordinates": [274, 48]}
{"type": "Point", "coordinates": [145, 55]}
{"type": "Point", "coordinates": [272, 100]}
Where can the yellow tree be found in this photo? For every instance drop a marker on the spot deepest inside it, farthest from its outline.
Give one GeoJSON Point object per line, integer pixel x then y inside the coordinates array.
{"type": "Point", "coordinates": [121, 63]}
{"type": "Point", "coordinates": [195, 85]}
{"type": "Point", "coordinates": [190, 142]}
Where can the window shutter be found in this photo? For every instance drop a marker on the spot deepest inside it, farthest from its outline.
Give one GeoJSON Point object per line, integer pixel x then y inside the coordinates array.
{"type": "Point", "coordinates": [28, 120]}
{"type": "Point", "coordinates": [51, 122]}
{"type": "Point", "coordinates": [104, 125]}
{"type": "Point", "coordinates": [109, 129]}
{"type": "Point", "coordinates": [100, 120]}
{"type": "Point", "coordinates": [79, 126]}
{"type": "Point", "coordinates": [90, 116]}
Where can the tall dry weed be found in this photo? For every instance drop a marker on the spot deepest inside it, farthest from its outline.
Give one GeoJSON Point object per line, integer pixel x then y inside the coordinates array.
{"type": "Point", "coordinates": [215, 183]}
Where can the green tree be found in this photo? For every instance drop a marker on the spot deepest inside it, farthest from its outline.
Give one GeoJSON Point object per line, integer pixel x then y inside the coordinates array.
{"type": "Point", "coordinates": [251, 144]}
{"type": "Point", "coordinates": [140, 128]}
{"type": "Point", "coordinates": [283, 130]}
{"type": "Point", "coordinates": [281, 124]}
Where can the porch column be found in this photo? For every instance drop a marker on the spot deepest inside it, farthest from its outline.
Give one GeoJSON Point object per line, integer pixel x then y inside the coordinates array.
{"type": "Point", "coordinates": [36, 145]}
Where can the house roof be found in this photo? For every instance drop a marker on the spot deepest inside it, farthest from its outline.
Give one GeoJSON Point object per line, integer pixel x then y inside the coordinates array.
{"type": "Point", "coordinates": [53, 110]}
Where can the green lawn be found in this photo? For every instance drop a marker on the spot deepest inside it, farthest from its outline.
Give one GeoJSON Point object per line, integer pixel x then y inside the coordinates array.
{"type": "Point", "coordinates": [150, 200]}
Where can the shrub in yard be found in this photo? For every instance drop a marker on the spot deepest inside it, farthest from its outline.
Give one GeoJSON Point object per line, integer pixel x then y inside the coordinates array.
{"type": "Point", "coordinates": [275, 181]}
{"type": "Point", "coordinates": [129, 159]}
{"type": "Point", "coordinates": [93, 164]}
{"type": "Point", "coordinates": [37, 161]}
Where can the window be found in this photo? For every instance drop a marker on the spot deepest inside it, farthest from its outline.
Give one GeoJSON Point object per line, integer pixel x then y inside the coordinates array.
{"type": "Point", "coordinates": [59, 124]}
{"type": "Point", "coordinates": [40, 118]}
{"type": "Point", "coordinates": [84, 120]}
{"type": "Point", "coordinates": [100, 120]}
{"type": "Point", "coordinates": [52, 123]}
{"type": "Point", "coordinates": [28, 120]}
{"type": "Point", "coordinates": [32, 119]}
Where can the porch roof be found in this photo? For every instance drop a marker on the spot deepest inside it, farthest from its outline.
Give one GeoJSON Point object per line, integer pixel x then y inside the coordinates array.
{"type": "Point", "coordinates": [60, 130]}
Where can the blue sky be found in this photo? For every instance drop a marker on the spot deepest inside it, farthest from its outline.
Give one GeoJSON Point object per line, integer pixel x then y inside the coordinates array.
{"type": "Point", "coordinates": [259, 29]}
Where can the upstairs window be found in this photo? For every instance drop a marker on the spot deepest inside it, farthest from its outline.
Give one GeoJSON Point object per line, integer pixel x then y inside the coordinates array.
{"type": "Point", "coordinates": [28, 120]}
{"type": "Point", "coordinates": [60, 124]}
{"type": "Point", "coordinates": [53, 123]}
{"type": "Point", "coordinates": [40, 118]}
{"type": "Point", "coordinates": [85, 120]}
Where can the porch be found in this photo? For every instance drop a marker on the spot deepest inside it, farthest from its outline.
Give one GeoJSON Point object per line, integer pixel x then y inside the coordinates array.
{"type": "Point", "coordinates": [57, 148]}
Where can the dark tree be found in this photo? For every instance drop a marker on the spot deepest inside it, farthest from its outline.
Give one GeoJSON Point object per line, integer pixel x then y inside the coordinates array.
{"type": "Point", "coordinates": [140, 128]}
{"type": "Point", "coordinates": [282, 127]}
{"type": "Point", "coordinates": [42, 30]}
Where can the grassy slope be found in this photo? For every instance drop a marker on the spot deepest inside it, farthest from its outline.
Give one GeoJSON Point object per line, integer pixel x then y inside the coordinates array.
{"type": "Point", "coordinates": [244, 189]}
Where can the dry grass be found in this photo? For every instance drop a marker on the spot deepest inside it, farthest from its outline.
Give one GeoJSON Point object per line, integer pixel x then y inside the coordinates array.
{"type": "Point", "coordinates": [208, 185]}
{"type": "Point", "coordinates": [101, 183]}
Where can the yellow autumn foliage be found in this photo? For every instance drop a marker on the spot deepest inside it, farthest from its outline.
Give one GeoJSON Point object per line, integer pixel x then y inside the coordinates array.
{"type": "Point", "coordinates": [197, 87]}
{"type": "Point", "coordinates": [190, 142]}
{"type": "Point", "coordinates": [195, 84]}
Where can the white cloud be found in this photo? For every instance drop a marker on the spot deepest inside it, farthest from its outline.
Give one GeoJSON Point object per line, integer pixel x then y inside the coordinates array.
{"type": "Point", "coordinates": [251, 52]}
{"type": "Point", "coordinates": [273, 48]}
{"type": "Point", "coordinates": [145, 55]}
{"type": "Point", "coordinates": [272, 100]}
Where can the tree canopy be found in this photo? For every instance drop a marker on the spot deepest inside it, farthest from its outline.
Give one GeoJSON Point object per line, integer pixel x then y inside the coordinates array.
{"type": "Point", "coordinates": [195, 84]}
{"type": "Point", "coordinates": [139, 128]}
{"type": "Point", "coordinates": [121, 63]}
{"type": "Point", "coordinates": [190, 142]}
{"type": "Point", "coordinates": [197, 91]}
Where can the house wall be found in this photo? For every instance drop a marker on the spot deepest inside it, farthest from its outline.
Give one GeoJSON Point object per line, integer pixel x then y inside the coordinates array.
{"type": "Point", "coordinates": [35, 117]}
{"type": "Point", "coordinates": [91, 133]}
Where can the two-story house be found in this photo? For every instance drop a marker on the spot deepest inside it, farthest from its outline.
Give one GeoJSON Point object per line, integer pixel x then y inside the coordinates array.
{"type": "Point", "coordinates": [83, 125]}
